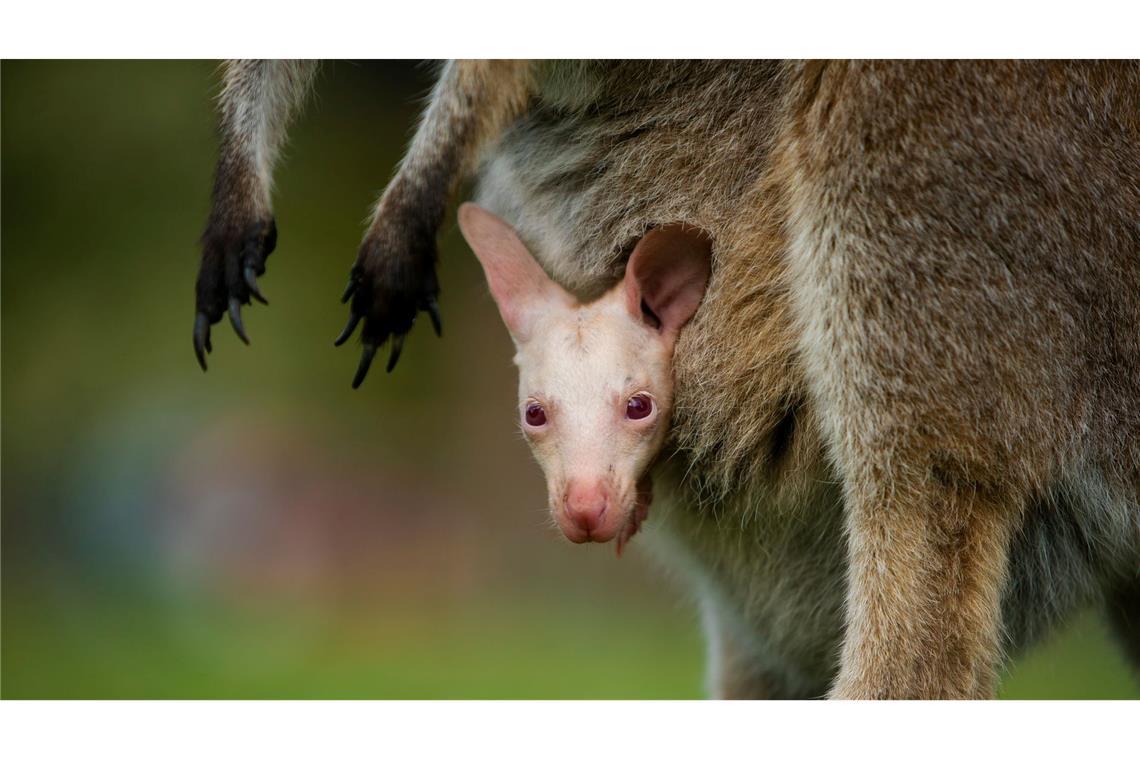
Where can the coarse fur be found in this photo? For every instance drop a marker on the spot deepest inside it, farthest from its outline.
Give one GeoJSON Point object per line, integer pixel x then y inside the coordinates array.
{"type": "Point", "coordinates": [257, 101]}
{"type": "Point", "coordinates": [906, 434]}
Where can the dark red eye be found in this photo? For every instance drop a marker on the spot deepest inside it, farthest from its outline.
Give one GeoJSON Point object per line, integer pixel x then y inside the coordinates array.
{"type": "Point", "coordinates": [535, 415]}
{"type": "Point", "coordinates": [638, 407]}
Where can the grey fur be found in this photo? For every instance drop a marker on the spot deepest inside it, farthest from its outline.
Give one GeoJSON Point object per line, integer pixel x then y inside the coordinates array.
{"type": "Point", "coordinates": [582, 178]}
{"type": "Point", "coordinates": [906, 435]}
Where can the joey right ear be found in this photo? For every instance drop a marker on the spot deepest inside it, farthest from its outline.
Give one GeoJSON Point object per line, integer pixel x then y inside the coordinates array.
{"type": "Point", "coordinates": [667, 274]}
{"type": "Point", "coordinates": [520, 287]}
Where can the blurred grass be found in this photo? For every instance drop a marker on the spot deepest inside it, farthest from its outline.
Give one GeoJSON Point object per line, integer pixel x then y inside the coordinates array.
{"type": "Point", "coordinates": [512, 649]}
{"type": "Point", "coordinates": [1080, 663]}
{"type": "Point", "coordinates": [262, 531]}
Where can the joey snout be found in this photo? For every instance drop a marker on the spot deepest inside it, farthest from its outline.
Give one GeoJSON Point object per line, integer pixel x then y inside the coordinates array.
{"type": "Point", "coordinates": [601, 509]}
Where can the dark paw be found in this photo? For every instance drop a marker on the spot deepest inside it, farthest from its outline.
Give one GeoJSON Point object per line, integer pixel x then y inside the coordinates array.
{"type": "Point", "coordinates": [388, 287]}
{"type": "Point", "coordinates": [232, 260]}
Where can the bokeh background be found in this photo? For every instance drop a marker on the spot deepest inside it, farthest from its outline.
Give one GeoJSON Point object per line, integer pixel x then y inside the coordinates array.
{"type": "Point", "coordinates": [262, 530]}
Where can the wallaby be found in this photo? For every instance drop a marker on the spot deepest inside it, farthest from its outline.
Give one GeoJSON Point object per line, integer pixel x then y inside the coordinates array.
{"type": "Point", "coordinates": [905, 420]}
{"type": "Point", "coordinates": [595, 379]}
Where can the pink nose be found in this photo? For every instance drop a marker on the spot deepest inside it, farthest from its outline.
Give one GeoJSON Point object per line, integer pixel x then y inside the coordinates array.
{"type": "Point", "coordinates": [586, 504]}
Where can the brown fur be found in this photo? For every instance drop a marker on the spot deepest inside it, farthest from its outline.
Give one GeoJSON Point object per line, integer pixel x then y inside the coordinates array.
{"type": "Point", "coordinates": [906, 441]}
{"type": "Point", "coordinates": [960, 283]}
{"type": "Point", "coordinates": [395, 267]}
{"type": "Point", "coordinates": [258, 100]}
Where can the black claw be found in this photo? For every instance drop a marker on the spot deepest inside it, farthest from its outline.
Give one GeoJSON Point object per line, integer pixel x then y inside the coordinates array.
{"type": "Point", "coordinates": [235, 320]}
{"type": "Point", "coordinates": [365, 363]}
{"type": "Point", "coordinates": [349, 289]}
{"type": "Point", "coordinates": [346, 333]}
{"type": "Point", "coordinates": [433, 312]}
{"type": "Point", "coordinates": [397, 347]}
{"type": "Point", "coordinates": [201, 338]}
{"type": "Point", "coordinates": [251, 283]}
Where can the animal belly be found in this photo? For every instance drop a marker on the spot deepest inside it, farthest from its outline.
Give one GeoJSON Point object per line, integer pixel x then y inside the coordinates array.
{"type": "Point", "coordinates": [770, 576]}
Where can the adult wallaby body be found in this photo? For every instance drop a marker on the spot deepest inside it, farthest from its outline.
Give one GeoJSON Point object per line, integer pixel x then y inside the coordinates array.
{"type": "Point", "coordinates": [905, 436]}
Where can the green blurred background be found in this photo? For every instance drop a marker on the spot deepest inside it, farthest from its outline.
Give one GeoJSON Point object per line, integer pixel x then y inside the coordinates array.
{"type": "Point", "coordinates": [263, 530]}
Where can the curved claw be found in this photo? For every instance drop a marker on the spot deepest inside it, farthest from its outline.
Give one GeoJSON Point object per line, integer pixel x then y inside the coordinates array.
{"type": "Point", "coordinates": [251, 283]}
{"type": "Point", "coordinates": [365, 363]}
{"type": "Point", "coordinates": [235, 320]}
{"type": "Point", "coordinates": [346, 333]}
{"type": "Point", "coordinates": [432, 308]}
{"type": "Point", "coordinates": [349, 289]}
{"type": "Point", "coordinates": [397, 347]}
{"type": "Point", "coordinates": [202, 338]}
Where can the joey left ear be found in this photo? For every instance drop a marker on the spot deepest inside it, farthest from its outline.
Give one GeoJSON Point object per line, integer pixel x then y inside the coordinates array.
{"type": "Point", "coordinates": [668, 272]}
{"type": "Point", "coordinates": [518, 284]}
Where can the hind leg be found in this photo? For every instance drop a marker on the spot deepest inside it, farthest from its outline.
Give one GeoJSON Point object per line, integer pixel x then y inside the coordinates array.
{"type": "Point", "coordinates": [738, 670]}
{"type": "Point", "coordinates": [1124, 616]}
{"type": "Point", "coordinates": [946, 361]}
{"type": "Point", "coordinates": [928, 565]}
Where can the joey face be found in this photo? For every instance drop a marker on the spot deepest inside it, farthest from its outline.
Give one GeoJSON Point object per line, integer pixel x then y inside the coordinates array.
{"type": "Point", "coordinates": [595, 393]}
{"type": "Point", "coordinates": [595, 379]}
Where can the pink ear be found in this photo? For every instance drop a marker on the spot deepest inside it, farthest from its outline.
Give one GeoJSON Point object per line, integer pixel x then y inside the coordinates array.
{"type": "Point", "coordinates": [668, 271]}
{"type": "Point", "coordinates": [517, 282]}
